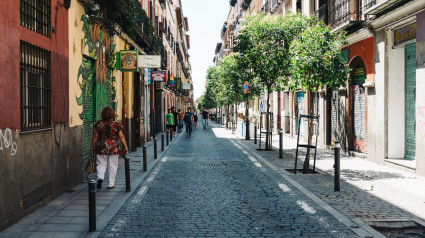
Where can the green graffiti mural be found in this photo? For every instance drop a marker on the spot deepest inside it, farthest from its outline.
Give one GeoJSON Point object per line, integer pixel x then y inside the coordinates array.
{"type": "Point", "coordinates": [97, 82]}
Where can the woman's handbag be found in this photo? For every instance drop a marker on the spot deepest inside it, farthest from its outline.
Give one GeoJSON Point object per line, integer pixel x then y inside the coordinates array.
{"type": "Point", "coordinates": [90, 165]}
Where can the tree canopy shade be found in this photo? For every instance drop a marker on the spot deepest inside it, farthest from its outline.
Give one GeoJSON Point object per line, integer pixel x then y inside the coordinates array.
{"type": "Point", "coordinates": [316, 62]}
{"type": "Point", "coordinates": [264, 43]}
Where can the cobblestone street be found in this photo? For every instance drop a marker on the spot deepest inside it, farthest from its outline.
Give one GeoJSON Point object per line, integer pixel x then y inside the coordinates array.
{"type": "Point", "coordinates": [208, 186]}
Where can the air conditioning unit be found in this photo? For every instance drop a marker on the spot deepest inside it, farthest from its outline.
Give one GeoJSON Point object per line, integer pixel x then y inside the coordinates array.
{"type": "Point", "coordinates": [159, 86]}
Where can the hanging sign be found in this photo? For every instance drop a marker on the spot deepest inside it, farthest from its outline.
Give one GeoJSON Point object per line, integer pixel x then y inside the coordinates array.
{"type": "Point", "coordinates": [128, 60]}
{"type": "Point", "coordinates": [245, 87]}
{"type": "Point", "coordinates": [186, 86]}
{"type": "Point", "coordinates": [158, 76]}
{"type": "Point", "coordinates": [149, 61]}
{"type": "Point", "coordinates": [147, 75]}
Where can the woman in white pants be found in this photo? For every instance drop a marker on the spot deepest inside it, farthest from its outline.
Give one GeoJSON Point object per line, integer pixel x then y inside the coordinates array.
{"type": "Point", "coordinates": [107, 134]}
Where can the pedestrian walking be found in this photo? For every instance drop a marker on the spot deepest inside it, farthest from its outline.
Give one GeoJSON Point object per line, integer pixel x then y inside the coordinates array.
{"type": "Point", "coordinates": [169, 120]}
{"type": "Point", "coordinates": [195, 119]}
{"type": "Point", "coordinates": [180, 117]}
{"type": "Point", "coordinates": [188, 118]}
{"type": "Point", "coordinates": [107, 134]}
{"type": "Point", "coordinates": [176, 119]}
{"type": "Point", "coordinates": [205, 118]}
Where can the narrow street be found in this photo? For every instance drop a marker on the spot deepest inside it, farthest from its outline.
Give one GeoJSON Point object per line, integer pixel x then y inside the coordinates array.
{"type": "Point", "coordinates": [206, 186]}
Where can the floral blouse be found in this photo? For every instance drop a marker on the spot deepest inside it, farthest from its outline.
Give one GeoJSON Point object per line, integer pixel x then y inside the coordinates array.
{"type": "Point", "coordinates": [108, 140]}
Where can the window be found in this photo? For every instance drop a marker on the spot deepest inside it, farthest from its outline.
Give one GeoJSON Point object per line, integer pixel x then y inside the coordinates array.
{"type": "Point", "coordinates": [35, 87]}
{"type": "Point", "coordinates": [35, 15]}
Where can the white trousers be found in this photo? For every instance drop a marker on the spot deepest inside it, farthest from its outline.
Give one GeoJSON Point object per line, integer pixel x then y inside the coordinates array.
{"type": "Point", "coordinates": [110, 161]}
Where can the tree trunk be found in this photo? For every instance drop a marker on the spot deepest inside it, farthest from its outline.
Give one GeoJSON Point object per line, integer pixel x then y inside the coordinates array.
{"type": "Point", "coordinates": [310, 110]}
{"type": "Point", "coordinates": [267, 121]}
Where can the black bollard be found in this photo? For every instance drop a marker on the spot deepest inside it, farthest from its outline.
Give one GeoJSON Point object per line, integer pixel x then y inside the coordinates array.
{"type": "Point", "coordinates": [92, 205]}
{"type": "Point", "coordinates": [145, 160]}
{"type": "Point", "coordinates": [280, 143]}
{"type": "Point", "coordinates": [171, 136]}
{"type": "Point", "coordinates": [127, 173]}
{"type": "Point", "coordinates": [162, 142]}
{"type": "Point", "coordinates": [337, 166]}
{"type": "Point", "coordinates": [255, 134]}
{"type": "Point", "coordinates": [166, 135]}
{"type": "Point", "coordinates": [155, 149]}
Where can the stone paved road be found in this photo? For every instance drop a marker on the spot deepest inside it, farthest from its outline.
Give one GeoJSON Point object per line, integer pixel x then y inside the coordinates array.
{"type": "Point", "coordinates": [205, 186]}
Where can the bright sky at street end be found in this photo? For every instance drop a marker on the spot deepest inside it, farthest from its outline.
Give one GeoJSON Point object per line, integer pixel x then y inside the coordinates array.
{"type": "Point", "coordinates": [206, 18]}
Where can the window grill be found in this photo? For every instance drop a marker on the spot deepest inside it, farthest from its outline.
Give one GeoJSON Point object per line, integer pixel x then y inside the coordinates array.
{"type": "Point", "coordinates": [36, 16]}
{"type": "Point", "coordinates": [35, 87]}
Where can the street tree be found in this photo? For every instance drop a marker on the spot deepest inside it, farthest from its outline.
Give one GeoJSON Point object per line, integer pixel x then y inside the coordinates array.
{"type": "Point", "coordinates": [264, 43]}
{"type": "Point", "coordinates": [316, 62]}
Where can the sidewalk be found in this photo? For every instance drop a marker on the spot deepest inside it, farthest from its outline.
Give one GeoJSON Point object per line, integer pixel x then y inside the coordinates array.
{"type": "Point", "coordinates": [67, 215]}
{"type": "Point", "coordinates": [380, 196]}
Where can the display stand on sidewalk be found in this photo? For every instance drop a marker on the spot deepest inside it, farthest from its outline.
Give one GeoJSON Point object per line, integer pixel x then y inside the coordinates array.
{"type": "Point", "coordinates": [268, 116]}
{"type": "Point", "coordinates": [315, 118]}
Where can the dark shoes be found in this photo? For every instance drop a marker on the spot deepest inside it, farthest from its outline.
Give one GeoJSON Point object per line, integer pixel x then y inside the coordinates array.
{"type": "Point", "coordinates": [99, 183]}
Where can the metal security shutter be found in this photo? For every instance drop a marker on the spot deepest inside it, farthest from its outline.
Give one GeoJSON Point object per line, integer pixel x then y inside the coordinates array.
{"type": "Point", "coordinates": [359, 109]}
{"type": "Point", "coordinates": [410, 102]}
{"type": "Point", "coordinates": [334, 115]}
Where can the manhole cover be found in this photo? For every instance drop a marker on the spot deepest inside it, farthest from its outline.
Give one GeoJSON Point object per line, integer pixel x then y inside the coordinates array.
{"type": "Point", "coordinates": [214, 166]}
{"type": "Point", "coordinates": [399, 229]}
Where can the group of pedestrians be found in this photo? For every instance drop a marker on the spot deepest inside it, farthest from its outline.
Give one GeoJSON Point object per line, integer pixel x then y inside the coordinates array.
{"type": "Point", "coordinates": [108, 133]}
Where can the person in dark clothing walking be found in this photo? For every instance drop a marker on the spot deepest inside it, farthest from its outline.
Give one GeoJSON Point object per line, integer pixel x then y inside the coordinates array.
{"type": "Point", "coordinates": [188, 118]}
{"type": "Point", "coordinates": [176, 120]}
{"type": "Point", "coordinates": [205, 118]}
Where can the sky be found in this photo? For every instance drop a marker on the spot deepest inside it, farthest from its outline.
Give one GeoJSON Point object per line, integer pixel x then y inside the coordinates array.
{"type": "Point", "coordinates": [206, 18]}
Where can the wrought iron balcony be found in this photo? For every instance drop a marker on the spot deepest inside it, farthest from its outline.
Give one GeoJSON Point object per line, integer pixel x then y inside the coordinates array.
{"type": "Point", "coordinates": [322, 13]}
{"type": "Point", "coordinates": [344, 12]}
{"type": "Point", "coordinates": [245, 4]}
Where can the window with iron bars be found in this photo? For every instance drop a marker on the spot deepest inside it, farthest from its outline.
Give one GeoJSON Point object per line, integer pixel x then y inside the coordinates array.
{"type": "Point", "coordinates": [35, 15]}
{"type": "Point", "coordinates": [35, 87]}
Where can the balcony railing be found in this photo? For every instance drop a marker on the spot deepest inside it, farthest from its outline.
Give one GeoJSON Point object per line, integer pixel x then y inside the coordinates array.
{"type": "Point", "coordinates": [344, 11]}
{"type": "Point", "coordinates": [322, 14]}
{"type": "Point", "coordinates": [245, 4]}
{"type": "Point", "coordinates": [368, 4]}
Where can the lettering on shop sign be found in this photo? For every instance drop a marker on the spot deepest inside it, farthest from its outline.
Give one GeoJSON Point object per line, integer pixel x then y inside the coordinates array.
{"type": "Point", "coordinates": [6, 141]}
{"type": "Point", "coordinates": [421, 122]}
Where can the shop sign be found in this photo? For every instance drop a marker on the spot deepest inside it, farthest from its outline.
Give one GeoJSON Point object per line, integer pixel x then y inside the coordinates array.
{"type": "Point", "coordinates": [186, 86]}
{"type": "Point", "coordinates": [147, 75]}
{"type": "Point", "coordinates": [128, 60]}
{"type": "Point", "coordinates": [149, 61]}
{"type": "Point", "coordinates": [405, 33]}
{"type": "Point", "coordinates": [158, 76]}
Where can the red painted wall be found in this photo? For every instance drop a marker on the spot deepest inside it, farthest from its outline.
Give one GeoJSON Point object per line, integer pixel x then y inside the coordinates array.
{"type": "Point", "coordinates": [364, 49]}
{"type": "Point", "coordinates": [12, 32]}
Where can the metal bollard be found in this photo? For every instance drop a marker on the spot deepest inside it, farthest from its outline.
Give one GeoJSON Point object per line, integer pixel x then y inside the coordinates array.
{"type": "Point", "coordinates": [171, 136]}
{"type": "Point", "coordinates": [337, 167]}
{"type": "Point", "coordinates": [255, 134]}
{"type": "Point", "coordinates": [92, 205]}
{"type": "Point", "coordinates": [280, 143]}
{"type": "Point", "coordinates": [127, 173]}
{"type": "Point", "coordinates": [155, 150]}
{"type": "Point", "coordinates": [145, 160]}
{"type": "Point", "coordinates": [162, 142]}
{"type": "Point", "coordinates": [166, 135]}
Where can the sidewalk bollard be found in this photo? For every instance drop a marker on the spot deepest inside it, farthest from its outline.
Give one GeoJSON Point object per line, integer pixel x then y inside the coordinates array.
{"type": "Point", "coordinates": [92, 205]}
{"type": "Point", "coordinates": [162, 142]}
{"type": "Point", "coordinates": [145, 160]}
{"type": "Point", "coordinates": [337, 166]}
{"type": "Point", "coordinates": [155, 149]}
{"type": "Point", "coordinates": [255, 134]}
{"type": "Point", "coordinates": [280, 143]}
{"type": "Point", "coordinates": [171, 136]}
{"type": "Point", "coordinates": [127, 173]}
{"type": "Point", "coordinates": [166, 135]}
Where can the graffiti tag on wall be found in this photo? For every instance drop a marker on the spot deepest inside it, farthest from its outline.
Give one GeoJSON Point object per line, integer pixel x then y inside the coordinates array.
{"type": "Point", "coordinates": [6, 141]}
{"type": "Point", "coordinates": [421, 122]}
